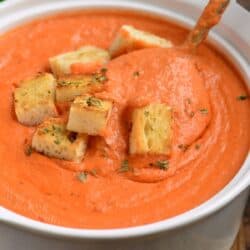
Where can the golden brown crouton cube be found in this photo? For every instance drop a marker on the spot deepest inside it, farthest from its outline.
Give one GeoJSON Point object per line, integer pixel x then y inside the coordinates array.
{"type": "Point", "coordinates": [130, 38]}
{"type": "Point", "coordinates": [52, 139]}
{"type": "Point", "coordinates": [69, 87]}
{"type": "Point", "coordinates": [82, 61]}
{"type": "Point", "coordinates": [34, 99]}
{"type": "Point", "coordinates": [151, 130]}
{"type": "Point", "coordinates": [89, 115]}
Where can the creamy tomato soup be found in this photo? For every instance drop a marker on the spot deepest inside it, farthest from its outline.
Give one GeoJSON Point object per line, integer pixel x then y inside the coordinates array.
{"type": "Point", "coordinates": [211, 127]}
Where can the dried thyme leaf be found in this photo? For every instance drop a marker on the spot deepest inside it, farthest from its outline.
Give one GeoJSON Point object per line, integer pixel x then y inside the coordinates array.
{"type": "Point", "coordinates": [91, 101]}
{"type": "Point", "coordinates": [57, 141]}
{"type": "Point", "coordinates": [82, 177]}
{"type": "Point", "coordinates": [161, 164]}
{"type": "Point", "coordinates": [204, 111]}
{"type": "Point", "coordinates": [243, 97]}
{"type": "Point", "coordinates": [100, 77]}
{"type": "Point", "coordinates": [28, 150]}
{"type": "Point", "coordinates": [125, 167]}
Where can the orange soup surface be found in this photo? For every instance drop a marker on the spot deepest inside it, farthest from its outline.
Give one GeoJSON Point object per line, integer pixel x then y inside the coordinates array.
{"type": "Point", "coordinates": [211, 126]}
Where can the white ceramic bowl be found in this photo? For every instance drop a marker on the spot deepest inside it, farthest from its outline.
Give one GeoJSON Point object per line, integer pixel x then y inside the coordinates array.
{"type": "Point", "coordinates": [211, 226]}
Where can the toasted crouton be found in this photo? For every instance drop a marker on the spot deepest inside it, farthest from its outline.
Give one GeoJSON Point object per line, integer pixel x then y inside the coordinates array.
{"type": "Point", "coordinates": [34, 99]}
{"type": "Point", "coordinates": [52, 139]}
{"type": "Point", "coordinates": [69, 87]}
{"type": "Point", "coordinates": [89, 115]}
{"type": "Point", "coordinates": [84, 60]}
{"type": "Point", "coordinates": [151, 130]}
{"type": "Point", "coordinates": [129, 39]}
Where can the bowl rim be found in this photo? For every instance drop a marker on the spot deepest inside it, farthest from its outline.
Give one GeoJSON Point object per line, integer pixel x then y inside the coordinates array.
{"type": "Point", "coordinates": [237, 185]}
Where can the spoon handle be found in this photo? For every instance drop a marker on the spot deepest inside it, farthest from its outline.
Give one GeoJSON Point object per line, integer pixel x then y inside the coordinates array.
{"type": "Point", "coordinates": [209, 18]}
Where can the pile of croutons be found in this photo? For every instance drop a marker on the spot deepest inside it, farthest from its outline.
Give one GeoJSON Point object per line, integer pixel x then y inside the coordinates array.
{"type": "Point", "coordinates": [75, 80]}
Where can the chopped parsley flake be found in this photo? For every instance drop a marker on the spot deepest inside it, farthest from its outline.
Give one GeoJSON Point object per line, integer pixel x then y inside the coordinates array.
{"type": "Point", "coordinates": [103, 78]}
{"type": "Point", "coordinates": [57, 142]}
{"type": "Point", "coordinates": [56, 129]}
{"type": "Point", "coordinates": [82, 177]}
{"type": "Point", "coordinates": [125, 167]}
{"type": "Point", "coordinates": [46, 130]}
{"type": "Point", "coordinates": [28, 150]}
{"type": "Point", "coordinates": [243, 97]}
{"type": "Point", "coordinates": [188, 108]}
{"type": "Point", "coordinates": [70, 82]}
{"type": "Point", "coordinates": [161, 164]}
{"type": "Point", "coordinates": [91, 101]}
{"type": "Point", "coordinates": [99, 78]}
{"type": "Point", "coordinates": [204, 111]}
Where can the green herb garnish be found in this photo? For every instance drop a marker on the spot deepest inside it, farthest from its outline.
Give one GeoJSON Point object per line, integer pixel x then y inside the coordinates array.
{"type": "Point", "coordinates": [57, 141]}
{"type": "Point", "coordinates": [204, 111]}
{"type": "Point", "coordinates": [56, 129]}
{"type": "Point", "coordinates": [103, 78]}
{"type": "Point", "coordinates": [243, 97]}
{"type": "Point", "coordinates": [46, 130]}
{"type": "Point", "coordinates": [125, 167]}
{"type": "Point", "coordinates": [82, 177]}
{"type": "Point", "coordinates": [99, 78]}
{"type": "Point", "coordinates": [91, 101]}
{"type": "Point", "coordinates": [187, 110]}
{"type": "Point", "coordinates": [146, 113]}
{"type": "Point", "coordinates": [69, 82]}
{"type": "Point", "coordinates": [161, 164]}
{"type": "Point", "coordinates": [28, 150]}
